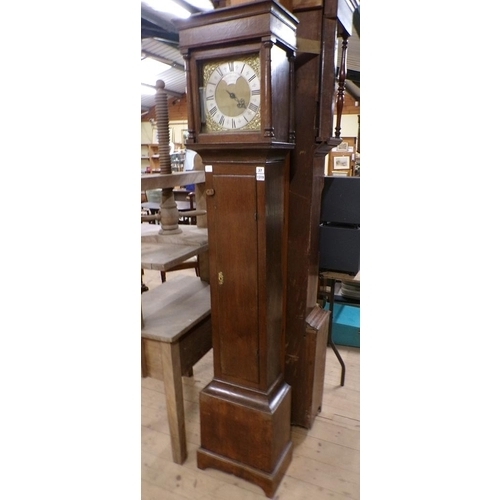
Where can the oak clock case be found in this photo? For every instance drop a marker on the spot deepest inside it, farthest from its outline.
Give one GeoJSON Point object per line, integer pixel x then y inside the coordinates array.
{"type": "Point", "coordinates": [230, 95]}
{"type": "Point", "coordinates": [239, 63]}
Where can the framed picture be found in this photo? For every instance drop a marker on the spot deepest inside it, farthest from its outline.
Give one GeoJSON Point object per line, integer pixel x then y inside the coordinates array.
{"type": "Point", "coordinates": [341, 162]}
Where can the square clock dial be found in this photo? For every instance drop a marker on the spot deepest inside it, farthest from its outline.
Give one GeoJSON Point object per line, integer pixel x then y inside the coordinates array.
{"type": "Point", "coordinates": [231, 94]}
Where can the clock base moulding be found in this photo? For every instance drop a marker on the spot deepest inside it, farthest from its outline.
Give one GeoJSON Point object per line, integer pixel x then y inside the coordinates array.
{"type": "Point", "coordinates": [231, 432]}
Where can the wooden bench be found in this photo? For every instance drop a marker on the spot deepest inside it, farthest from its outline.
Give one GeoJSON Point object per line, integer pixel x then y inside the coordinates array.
{"type": "Point", "coordinates": [176, 333]}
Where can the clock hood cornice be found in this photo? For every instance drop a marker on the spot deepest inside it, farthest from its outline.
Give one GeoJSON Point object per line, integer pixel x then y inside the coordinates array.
{"type": "Point", "coordinates": [197, 31]}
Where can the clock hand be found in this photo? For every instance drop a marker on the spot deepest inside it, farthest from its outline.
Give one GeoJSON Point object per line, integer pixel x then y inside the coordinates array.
{"type": "Point", "coordinates": [240, 102]}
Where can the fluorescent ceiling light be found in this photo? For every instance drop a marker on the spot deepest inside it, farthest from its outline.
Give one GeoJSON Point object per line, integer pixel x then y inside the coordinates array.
{"type": "Point", "coordinates": [151, 69]}
{"type": "Point", "coordinates": [147, 90]}
{"type": "Point", "coordinates": [204, 5]}
{"type": "Point", "coordinates": [168, 7]}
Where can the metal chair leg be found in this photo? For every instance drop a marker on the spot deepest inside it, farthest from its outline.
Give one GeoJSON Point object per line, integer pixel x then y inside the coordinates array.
{"type": "Point", "coordinates": [341, 361]}
{"type": "Point", "coordinates": [335, 350]}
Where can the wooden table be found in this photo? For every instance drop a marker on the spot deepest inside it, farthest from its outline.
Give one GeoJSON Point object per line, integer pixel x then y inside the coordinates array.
{"type": "Point", "coordinates": [182, 206]}
{"type": "Point", "coordinates": [176, 321]}
{"type": "Point", "coordinates": [176, 334]}
{"type": "Point", "coordinates": [163, 257]}
{"type": "Point", "coordinates": [151, 205]}
{"type": "Point", "coordinates": [162, 252]}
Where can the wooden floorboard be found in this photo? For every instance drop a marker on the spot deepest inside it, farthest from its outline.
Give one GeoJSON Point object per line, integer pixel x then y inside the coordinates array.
{"type": "Point", "coordinates": [325, 463]}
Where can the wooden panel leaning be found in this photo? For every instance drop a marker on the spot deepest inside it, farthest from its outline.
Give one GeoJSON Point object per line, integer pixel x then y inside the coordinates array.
{"type": "Point", "coordinates": [176, 333]}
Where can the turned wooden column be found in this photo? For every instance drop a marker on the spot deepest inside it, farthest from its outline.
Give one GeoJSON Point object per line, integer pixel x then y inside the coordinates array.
{"type": "Point", "coordinates": [341, 88]}
{"type": "Point", "coordinates": [169, 215]}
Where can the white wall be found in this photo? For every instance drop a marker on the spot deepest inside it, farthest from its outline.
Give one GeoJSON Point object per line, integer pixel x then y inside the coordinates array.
{"type": "Point", "coordinates": [148, 136]}
{"type": "Point", "coordinates": [348, 125]}
{"type": "Point", "coordinates": [146, 133]}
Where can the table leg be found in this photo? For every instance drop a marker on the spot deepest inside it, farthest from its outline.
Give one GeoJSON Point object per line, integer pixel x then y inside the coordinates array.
{"type": "Point", "coordinates": [144, 367]}
{"type": "Point", "coordinates": [172, 378]}
{"type": "Point", "coordinates": [144, 288]}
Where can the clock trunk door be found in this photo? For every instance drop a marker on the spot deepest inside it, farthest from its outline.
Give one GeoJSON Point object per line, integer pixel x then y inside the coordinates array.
{"type": "Point", "coordinates": [234, 277]}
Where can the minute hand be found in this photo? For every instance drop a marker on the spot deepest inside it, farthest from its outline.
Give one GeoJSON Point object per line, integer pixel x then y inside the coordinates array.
{"type": "Point", "coordinates": [240, 102]}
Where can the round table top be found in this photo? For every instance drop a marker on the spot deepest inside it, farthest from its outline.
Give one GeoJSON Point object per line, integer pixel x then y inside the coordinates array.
{"type": "Point", "coordinates": [151, 205]}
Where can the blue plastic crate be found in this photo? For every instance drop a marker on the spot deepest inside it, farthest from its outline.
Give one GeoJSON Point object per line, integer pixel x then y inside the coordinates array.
{"type": "Point", "coordinates": [345, 324]}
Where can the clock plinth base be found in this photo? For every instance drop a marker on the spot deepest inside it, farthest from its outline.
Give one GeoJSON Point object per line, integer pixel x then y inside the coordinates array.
{"type": "Point", "coordinates": [268, 482]}
{"type": "Point", "coordinates": [246, 433]}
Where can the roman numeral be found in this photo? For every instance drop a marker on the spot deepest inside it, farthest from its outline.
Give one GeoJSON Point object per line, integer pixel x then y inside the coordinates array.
{"type": "Point", "coordinates": [213, 111]}
{"type": "Point", "coordinates": [218, 71]}
{"type": "Point", "coordinates": [221, 121]}
{"type": "Point", "coordinates": [242, 68]}
{"type": "Point", "coordinates": [231, 66]}
{"type": "Point", "coordinates": [252, 77]}
{"type": "Point", "coordinates": [253, 107]}
{"type": "Point", "coordinates": [256, 92]}
{"type": "Point", "coordinates": [233, 124]}
{"type": "Point", "coordinates": [210, 97]}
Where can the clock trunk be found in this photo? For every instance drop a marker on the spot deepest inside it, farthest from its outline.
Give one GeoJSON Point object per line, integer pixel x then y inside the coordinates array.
{"type": "Point", "coordinates": [245, 410]}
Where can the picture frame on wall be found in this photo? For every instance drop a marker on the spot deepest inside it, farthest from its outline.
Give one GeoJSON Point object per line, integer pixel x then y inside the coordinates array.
{"type": "Point", "coordinates": [341, 162]}
{"type": "Point", "coordinates": [343, 146]}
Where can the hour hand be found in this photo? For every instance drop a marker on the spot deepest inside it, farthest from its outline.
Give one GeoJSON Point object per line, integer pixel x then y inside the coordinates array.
{"type": "Point", "coordinates": [239, 102]}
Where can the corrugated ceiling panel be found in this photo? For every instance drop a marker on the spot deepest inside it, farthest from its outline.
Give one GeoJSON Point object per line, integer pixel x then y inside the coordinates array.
{"type": "Point", "coordinates": [163, 50]}
{"type": "Point", "coordinates": [353, 48]}
{"type": "Point", "coordinates": [174, 78]}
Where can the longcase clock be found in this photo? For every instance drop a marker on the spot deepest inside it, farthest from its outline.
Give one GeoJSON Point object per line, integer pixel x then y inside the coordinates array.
{"type": "Point", "coordinates": [239, 63]}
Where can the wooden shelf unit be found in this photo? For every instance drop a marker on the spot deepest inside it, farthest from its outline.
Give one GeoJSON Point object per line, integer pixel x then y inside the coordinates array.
{"type": "Point", "coordinates": [150, 154]}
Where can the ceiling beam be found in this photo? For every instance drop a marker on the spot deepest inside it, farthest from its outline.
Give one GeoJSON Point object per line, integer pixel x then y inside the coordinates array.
{"type": "Point", "coordinates": [174, 64]}
{"type": "Point", "coordinates": [151, 30]}
{"type": "Point", "coordinates": [157, 19]}
{"type": "Point", "coordinates": [352, 89]}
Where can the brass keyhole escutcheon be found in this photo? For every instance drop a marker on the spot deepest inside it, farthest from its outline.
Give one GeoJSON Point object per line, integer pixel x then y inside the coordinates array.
{"type": "Point", "coordinates": [221, 278]}
{"type": "Point", "coordinates": [209, 192]}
